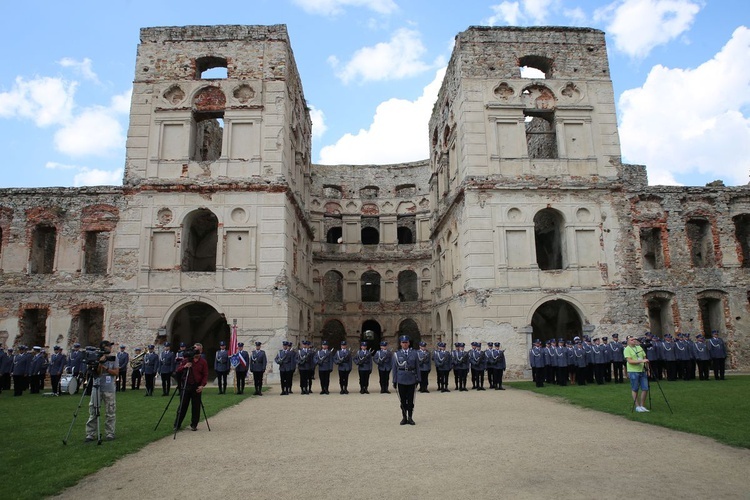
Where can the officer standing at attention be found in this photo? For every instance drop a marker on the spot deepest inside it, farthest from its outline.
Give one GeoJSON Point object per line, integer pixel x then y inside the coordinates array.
{"type": "Point", "coordinates": [442, 359]}
{"type": "Point", "coordinates": [363, 360]}
{"type": "Point", "coordinates": [35, 370]}
{"type": "Point", "coordinates": [6, 366]}
{"type": "Point", "coordinates": [258, 363]}
{"type": "Point", "coordinates": [425, 365]}
{"type": "Point", "coordinates": [240, 371]}
{"type": "Point", "coordinates": [324, 360]}
{"type": "Point", "coordinates": [150, 369]}
{"type": "Point", "coordinates": [536, 361]}
{"type": "Point", "coordinates": [166, 368]}
{"type": "Point", "coordinates": [287, 363]}
{"type": "Point", "coordinates": [343, 358]}
{"type": "Point", "coordinates": [56, 367]}
{"type": "Point", "coordinates": [75, 363]}
{"type": "Point", "coordinates": [615, 355]}
{"type": "Point", "coordinates": [221, 366]}
{"type": "Point", "coordinates": [123, 359]}
{"type": "Point", "coordinates": [21, 367]}
{"type": "Point", "coordinates": [478, 364]}
{"type": "Point", "coordinates": [384, 359]}
{"type": "Point", "coordinates": [500, 366]}
{"type": "Point", "coordinates": [306, 366]}
{"type": "Point", "coordinates": [135, 375]}
{"type": "Point", "coordinates": [405, 378]}
{"type": "Point", "coordinates": [718, 352]}
{"type": "Point", "coordinates": [460, 366]}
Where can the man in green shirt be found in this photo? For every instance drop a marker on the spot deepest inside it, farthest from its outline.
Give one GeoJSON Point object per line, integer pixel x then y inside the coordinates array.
{"type": "Point", "coordinates": [636, 362]}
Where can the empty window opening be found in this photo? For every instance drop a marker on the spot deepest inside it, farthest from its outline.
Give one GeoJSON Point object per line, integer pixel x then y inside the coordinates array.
{"type": "Point", "coordinates": [700, 242]}
{"type": "Point", "coordinates": [541, 139]}
{"type": "Point", "coordinates": [370, 234]}
{"type": "Point", "coordinates": [411, 328]}
{"type": "Point", "coordinates": [95, 252]}
{"type": "Point", "coordinates": [334, 235]}
{"type": "Point", "coordinates": [209, 130]}
{"type": "Point", "coordinates": [33, 327]}
{"type": "Point", "coordinates": [211, 67]}
{"type": "Point", "coordinates": [651, 248]}
{"type": "Point", "coordinates": [556, 319]}
{"type": "Point", "coordinates": [538, 67]}
{"type": "Point", "coordinates": [370, 286]}
{"type": "Point", "coordinates": [333, 332]}
{"type": "Point", "coordinates": [405, 236]}
{"type": "Point", "coordinates": [333, 287]}
{"type": "Point", "coordinates": [742, 233]}
{"type": "Point", "coordinates": [712, 315]}
{"type": "Point", "coordinates": [548, 235]}
{"type": "Point", "coordinates": [660, 315]}
{"type": "Point", "coordinates": [333, 192]}
{"type": "Point", "coordinates": [369, 192]}
{"type": "Point", "coordinates": [406, 191]}
{"type": "Point", "coordinates": [199, 242]}
{"type": "Point", "coordinates": [43, 243]}
{"type": "Point", "coordinates": [408, 286]}
{"type": "Point", "coordinates": [88, 326]}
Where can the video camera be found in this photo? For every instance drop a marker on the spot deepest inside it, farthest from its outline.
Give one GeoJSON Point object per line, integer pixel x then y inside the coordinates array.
{"type": "Point", "coordinates": [92, 355]}
{"type": "Point", "coordinates": [646, 343]}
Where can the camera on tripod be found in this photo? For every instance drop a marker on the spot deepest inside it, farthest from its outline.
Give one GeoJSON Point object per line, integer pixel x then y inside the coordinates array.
{"type": "Point", "coordinates": [646, 343]}
{"type": "Point", "coordinates": [92, 355]}
{"type": "Point", "coordinates": [188, 354]}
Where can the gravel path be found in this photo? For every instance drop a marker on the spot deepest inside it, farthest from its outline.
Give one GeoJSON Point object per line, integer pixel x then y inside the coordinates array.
{"type": "Point", "coordinates": [510, 444]}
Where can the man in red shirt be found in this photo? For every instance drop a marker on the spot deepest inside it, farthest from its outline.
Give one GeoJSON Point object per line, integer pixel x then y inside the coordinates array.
{"type": "Point", "coordinates": [196, 369]}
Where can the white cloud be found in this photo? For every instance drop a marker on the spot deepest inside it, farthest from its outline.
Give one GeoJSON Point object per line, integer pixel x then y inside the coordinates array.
{"type": "Point", "coordinates": [318, 122]}
{"type": "Point", "coordinates": [400, 57]}
{"type": "Point", "coordinates": [96, 177]}
{"type": "Point", "coordinates": [95, 131]}
{"type": "Point", "coordinates": [684, 121]}
{"type": "Point", "coordinates": [637, 26]}
{"type": "Point", "coordinates": [523, 12]}
{"type": "Point", "coordinates": [46, 101]}
{"type": "Point", "coordinates": [335, 7]}
{"type": "Point", "coordinates": [53, 165]}
{"type": "Point", "coordinates": [83, 68]}
{"type": "Point", "coordinates": [398, 123]}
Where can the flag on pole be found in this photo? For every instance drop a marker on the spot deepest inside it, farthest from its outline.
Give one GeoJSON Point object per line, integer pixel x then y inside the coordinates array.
{"type": "Point", "coordinates": [234, 358]}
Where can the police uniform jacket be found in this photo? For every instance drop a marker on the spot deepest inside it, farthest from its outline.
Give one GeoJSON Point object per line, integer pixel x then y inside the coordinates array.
{"type": "Point", "coordinates": [221, 361]}
{"type": "Point", "coordinates": [57, 364]}
{"type": "Point", "coordinates": [37, 364]}
{"type": "Point", "coordinates": [306, 359]}
{"type": "Point", "coordinates": [550, 356]}
{"type": "Point", "coordinates": [244, 355]}
{"type": "Point", "coordinates": [123, 358]}
{"type": "Point", "coordinates": [615, 352]}
{"type": "Point", "coordinates": [490, 358]}
{"type": "Point", "coordinates": [287, 360]}
{"type": "Point", "coordinates": [579, 356]}
{"type": "Point", "coordinates": [425, 364]}
{"type": "Point", "coordinates": [500, 364]}
{"type": "Point", "coordinates": [167, 362]}
{"type": "Point", "coordinates": [589, 348]}
{"type": "Point", "coordinates": [460, 360]}
{"type": "Point", "coordinates": [700, 351]}
{"type": "Point", "coordinates": [384, 359]}
{"type": "Point", "coordinates": [324, 360]}
{"type": "Point", "coordinates": [599, 356]}
{"type": "Point", "coordinates": [683, 352]}
{"type": "Point", "coordinates": [653, 353]}
{"type": "Point", "coordinates": [151, 363]}
{"type": "Point", "coordinates": [442, 360]}
{"type": "Point", "coordinates": [363, 360]}
{"type": "Point", "coordinates": [477, 359]}
{"type": "Point", "coordinates": [536, 357]}
{"type": "Point", "coordinates": [343, 358]}
{"type": "Point", "coordinates": [21, 364]}
{"type": "Point", "coordinates": [668, 351]}
{"type": "Point", "coordinates": [258, 361]}
{"type": "Point", "coordinates": [75, 359]}
{"type": "Point", "coordinates": [562, 356]}
{"type": "Point", "coordinates": [405, 367]}
{"type": "Point", "coordinates": [3, 360]}
{"type": "Point", "coordinates": [716, 348]}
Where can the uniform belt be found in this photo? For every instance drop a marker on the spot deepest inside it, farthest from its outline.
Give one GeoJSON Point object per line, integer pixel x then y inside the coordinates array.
{"type": "Point", "coordinates": [407, 370]}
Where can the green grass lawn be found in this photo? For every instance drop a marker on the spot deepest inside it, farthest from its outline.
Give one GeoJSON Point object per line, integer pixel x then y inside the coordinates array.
{"type": "Point", "coordinates": [34, 461]}
{"type": "Point", "coordinates": [716, 409]}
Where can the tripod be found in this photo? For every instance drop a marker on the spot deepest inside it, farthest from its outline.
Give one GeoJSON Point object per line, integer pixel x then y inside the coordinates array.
{"type": "Point", "coordinates": [182, 388]}
{"type": "Point", "coordinates": [650, 405]}
{"type": "Point", "coordinates": [93, 382]}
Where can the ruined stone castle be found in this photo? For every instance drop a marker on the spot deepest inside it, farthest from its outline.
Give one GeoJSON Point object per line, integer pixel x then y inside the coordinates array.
{"type": "Point", "coordinates": [522, 224]}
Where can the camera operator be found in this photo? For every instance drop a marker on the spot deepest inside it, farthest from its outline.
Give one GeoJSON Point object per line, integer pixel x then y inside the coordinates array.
{"type": "Point", "coordinates": [107, 370]}
{"type": "Point", "coordinates": [637, 363]}
{"type": "Point", "coordinates": [197, 378]}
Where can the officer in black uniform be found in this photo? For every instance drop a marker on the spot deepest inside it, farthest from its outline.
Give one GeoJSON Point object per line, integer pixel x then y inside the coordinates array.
{"type": "Point", "coordinates": [240, 371]}
{"type": "Point", "coordinates": [221, 367]}
{"type": "Point", "coordinates": [258, 363]}
{"type": "Point", "coordinates": [363, 360]}
{"type": "Point", "coordinates": [384, 359]}
{"type": "Point", "coordinates": [306, 366]}
{"type": "Point", "coordinates": [287, 361]}
{"type": "Point", "coordinates": [21, 369]}
{"type": "Point", "coordinates": [123, 359]}
{"type": "Point", "coordinates": [167, 366]}
{"type": "Point", "coordinates": [405, 378]}
{"type": "Point", "coordinates": [150, 369]}
{"type": "Point", "coordinates": [425, 366]}
{"type": "Point", "coordinates": [324, 360]}
{"type": "Point", "coordinates": [343, 359]}
{"type": "Point", "coordinates": [460, 366]}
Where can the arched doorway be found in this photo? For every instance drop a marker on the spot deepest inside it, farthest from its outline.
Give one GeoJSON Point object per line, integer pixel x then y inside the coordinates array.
{"type": "Point", "coordinates": [409, 327]}
{"type": "Point", "coordinates": [556, 319]}
{"type": "Point", "coordinates": [372, 333]}
{"type": "Point", "coordinates": [334, 332]}
{"type": "Point", "coordinates": [199, 322]}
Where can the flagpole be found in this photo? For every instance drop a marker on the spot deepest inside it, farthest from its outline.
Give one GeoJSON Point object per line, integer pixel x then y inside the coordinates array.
{"type": "Point", "coordinates": [234, 348]}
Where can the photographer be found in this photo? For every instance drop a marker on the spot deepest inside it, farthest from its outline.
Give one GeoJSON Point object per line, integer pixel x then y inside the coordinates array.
{"type": "Point", "coordinates": [197, 378]}
{"type": "Point", "coordinates": [637, 362]}
{"type": "Point", "coordinates": [105, 367]}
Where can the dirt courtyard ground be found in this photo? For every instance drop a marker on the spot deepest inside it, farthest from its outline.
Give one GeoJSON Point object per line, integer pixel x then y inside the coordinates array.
{"type": "Point", "coordinates": [478, 445]}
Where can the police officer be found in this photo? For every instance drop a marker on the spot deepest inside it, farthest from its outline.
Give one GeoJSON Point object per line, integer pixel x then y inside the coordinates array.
{"type": "Point", "coordinates": [425, 365]}
{"type": "Point", "coordinates": [6, 367]}
{"type": "Point", "coordinates": [363, 360]}
{"type": "Point", "coordinates": [718, 353]}
{"type": "Point", "coordinates": [460, 366]}
{"type": "Point", "coordinates": [615, 356]}
{"type": "Point", "coordinates": [500, 365]}
{"type": "Point", "coordinates": [384, 359]}
{"type": "Point", "coordinates": [324, 360]}
{"type": "Point", "coordinates": [123, 359]}
{"type": "Point", "coordinates": [442, 359]}
{"type": "Point", "coordinates": [75, 364]}
{"type": "Point", "coordinates": [21, 369]}
{"type": "Point", "coordinates": [36, 370]}
{"type": "Point", "coordinates": [536, 361]}
{"type": "Point", "coordinates": [405, 378]}
{"type": "Point", "coordinates": [150, 369]}
{"type": "Point", "coordinates": [240, 371]}
{"type": "Point", "coordinates": [669, 356]}
{"type": "Point", "coordinates": [258, 363]}
{"type": "Point", "coordinates": [306, 366]}
{"type": "Point", "coordinates": [167, 365]}
{"type": "Point", "coordinates": [56, 367]}
{"type": "Point", "coordinates": [135, 375]}
{"type": "Point", "coordinates": [221, 366]}
{"type": "Point", "coordinates": [550, 361]}
{"type": "Point", "coordinates": [287, 361]}
{"type": "Point", "coordinates": [600, 359]}
{"type": "Point", "coordinates": [478, 364]}
{"type": "Point", "coordinates": [579, 361]}
{"type": "Point", "coordinates": [561, 356]}
{"type": "Point", "coordinates": [343, 359]}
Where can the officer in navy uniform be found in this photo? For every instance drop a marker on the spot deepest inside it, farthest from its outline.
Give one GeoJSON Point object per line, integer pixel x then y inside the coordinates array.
{"type": "Point", "coordinates": [150, 369]}
{"type": "Point", "coordinates": [500, 366]}
{"type": "Point", "coordinates": [615, 356]}
{"type": "Point", "coordinates": [258, 363]}
{"type": "Point", "coordinates": [718, 352]}
{"type": "Point", "coordinates": [36, 370]}
{"type": "Point", "coordinates": [489, 364]}
{"type": "Point", "coordinates": [306, 366]}
{"type": "Point", "coordinates": [343, 358]}
{"type": "Point", "coordinates": [221, 367]}
{"type": "Point", "coordinates": [478, 364]}
{"type": "Point", "coordinates": [561, 355]}
{"type": "Point", "coordinates": [669, 356]}
{"type": "Point", "coordinates": [123, 359]}
{"type": "Point", "coordinates": [240, 371]}
{"type": "Point", "coordinates": [550, 361]}
{"type": "Point", "coordinates": [6, 367]}
{"type": "Point", "coordinates": [384, 359]}
{"type": "Point", "coordinates": [460, 366]}
{"type": "Point", "coordinates": [56, 368]}
{"type": "Point", "coordinates": [324, 360]}
{"type": "Point", "coordinates": [442, 360]}
{"type": "Point", "coordinates": [137, 373]}
{"type": "Point", "coordinates": [405, 378]}
{"type": "Point", "coordinates": [702, 357]}
{"type": "Point", "coordinates": [75, 364]}
{"type": "Point", "coordinates": [167, 366]}
{"type": "Point", "coordinates": [363, 360]}
{"type": "Point", "coordinates": [536, 361]}
{"type": "Point", "coordinates": [287, 361]}
{"type": "Point", "coordinates": [600, 359]}
{"type": "Point", "coordinates": [425, 365]}
{"type": "Point", "coordinates": [21, 368]}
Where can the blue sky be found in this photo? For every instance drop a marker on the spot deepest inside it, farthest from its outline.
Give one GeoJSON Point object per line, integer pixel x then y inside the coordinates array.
{"type": "Point", "coordinates": [371, 70]}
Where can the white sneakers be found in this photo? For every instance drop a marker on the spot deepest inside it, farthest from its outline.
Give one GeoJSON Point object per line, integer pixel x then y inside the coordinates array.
{"type": "Point", "coordinates": [641, 409]}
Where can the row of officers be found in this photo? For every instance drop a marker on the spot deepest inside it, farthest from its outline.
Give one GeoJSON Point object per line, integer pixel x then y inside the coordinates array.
{"type": "Point", "coordinates": [584, 360]}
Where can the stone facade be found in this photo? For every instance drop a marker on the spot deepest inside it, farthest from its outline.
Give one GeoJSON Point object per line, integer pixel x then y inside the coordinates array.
{"type": "Point", "coordinates": [522, 224]}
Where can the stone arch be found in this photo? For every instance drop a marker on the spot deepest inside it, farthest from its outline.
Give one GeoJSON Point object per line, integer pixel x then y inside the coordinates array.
{"type": "Point", "coordinates": [370, 286]}
{"type": "Point", "coordinates": [333, 332]}
{"type": "Point", "coordinates": [549, 238]}
{"type": "Point", "coordinates": [409, 327]}
{"type": "Point", "coordinates": [372, 333]}
{"type": "Point", "coordinates": [555, 318]}
{"type": "Point", "coordinates": [200, 234]}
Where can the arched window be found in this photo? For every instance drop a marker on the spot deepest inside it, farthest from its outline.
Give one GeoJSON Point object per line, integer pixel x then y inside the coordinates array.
{"type": "Point", "coordinates": [208, 124]}
{"type": "Point", "coordinates": [408, 289]}
{"type": "Point", "coordinates": [370, 236]}
{"type": "Point", "coordinates": [409, 327]}
{"type": "Point", "coordinates": [370, 286]}
{"type": "Point", "coordinates": [200, 236]}
{"type": "Point", "coordinates": [548, 236]}
{"type": "Point", "coordinates": [334, 235]}
{"type": "Point", "coordinates": [333, 287]}
{"type": "Point", "coordinates": [210, 68]}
